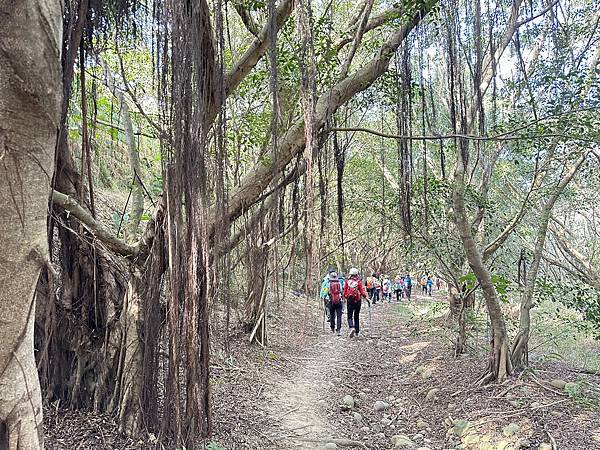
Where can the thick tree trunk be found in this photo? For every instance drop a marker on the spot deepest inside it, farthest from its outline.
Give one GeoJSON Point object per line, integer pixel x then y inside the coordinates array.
{"type": "Point", "coordinates": [500, 364]}
{"type": "Point", "coordinates": [30, 90]}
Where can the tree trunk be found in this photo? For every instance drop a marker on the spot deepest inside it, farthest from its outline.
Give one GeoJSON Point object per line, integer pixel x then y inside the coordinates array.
{"type": "Point", "coordinates": [500, 364]}
{"type": "Point", "coordinates": [30, 90]}
{"type": "Point", "coordinates": [520, 348]}
{"type": "Point", "coordinates": [137, 192]}
{"type": "Point", "coordinates": [256, 293]}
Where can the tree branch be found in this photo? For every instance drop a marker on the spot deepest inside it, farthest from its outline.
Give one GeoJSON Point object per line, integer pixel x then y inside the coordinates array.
{"type": "Point", "coordinates": [94, 226]}
{"type": "Point", "coordinates": [247, 18]}
{"type": "Point", "coordinates": [258, 48]}
{"type": "Point", "coordinates": [293, 141]}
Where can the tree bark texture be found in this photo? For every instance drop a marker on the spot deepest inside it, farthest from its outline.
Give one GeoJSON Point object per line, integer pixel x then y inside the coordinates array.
{"type": "Point", "coordinates": [500, 364]}
{"type": "Point", "coordinates": [30, 93]}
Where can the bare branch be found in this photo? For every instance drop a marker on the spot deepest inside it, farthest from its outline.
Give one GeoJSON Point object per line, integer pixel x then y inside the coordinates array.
{"type": "Point", "coordinates": [95, 227]}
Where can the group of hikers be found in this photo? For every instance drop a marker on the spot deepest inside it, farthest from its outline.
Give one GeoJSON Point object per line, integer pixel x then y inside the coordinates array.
{"type": "Point", "coordinates": [337, 291]}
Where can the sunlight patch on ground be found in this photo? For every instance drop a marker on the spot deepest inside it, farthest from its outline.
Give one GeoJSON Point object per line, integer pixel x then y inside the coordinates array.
{"type": "Point", "coordinates": [417, 346]}
{"type": "Point", "coordinates": [407, 359]}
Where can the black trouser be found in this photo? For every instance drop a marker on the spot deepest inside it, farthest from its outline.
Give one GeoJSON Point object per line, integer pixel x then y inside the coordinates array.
{"type": "Point", "coordinates": [376, 295]}
{"type": "Point", "coordinates": [398, 294]}
{"type": "Point", "coordinates": [353, 313]}
{"type": "Point", "coordinates": [370, 291]}
{"type": "Point", "coordinates": [335, 311]}
{"type": "Point", "coordinates": [407, 290]}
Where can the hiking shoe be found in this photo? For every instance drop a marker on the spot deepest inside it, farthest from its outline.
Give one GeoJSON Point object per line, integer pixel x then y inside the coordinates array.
{"type": "Point", "coordinates": [339, 333]}
{"type": "Point", "coordinates": [332, 330]}
{"type": "Point", "coordinates": [352, 332]}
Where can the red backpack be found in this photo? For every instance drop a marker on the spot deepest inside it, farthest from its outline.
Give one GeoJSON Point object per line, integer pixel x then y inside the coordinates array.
{"type": "Point", "coordinates": [353, 292]}
{"type": "Point", "coordinates": [335, 291]}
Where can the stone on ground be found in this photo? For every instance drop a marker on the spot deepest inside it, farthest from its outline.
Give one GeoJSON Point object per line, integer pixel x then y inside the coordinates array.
{"type": "Point", "coordinates": [380, 406]}
{"type": "Point", "coordinates": [558, 384]}
{"type": "Point", "coordinates": [349, 401]}
{"type": "Point", "coordinates": [400, 441]}
{"type": "Point", "coordinates": [357, 417]}
{"type": "Point", "coordinates": [460, 427]}
{"type": "Point", "coordinates": [431, 394]}
{"type": "Point", "coordinates": [545, 446]}
{"type": "Point", "coordinates": [511, 429]}
{"type": "Point", "coordinates": [421, 424]}
{"type": "Point", "coordinates": [330, 445]}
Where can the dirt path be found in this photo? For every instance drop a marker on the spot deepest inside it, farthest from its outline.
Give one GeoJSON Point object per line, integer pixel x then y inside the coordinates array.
{"type": "Point", "coordinates": [295, 403]}
{"type": "Point", "coordinates": [299, 403]}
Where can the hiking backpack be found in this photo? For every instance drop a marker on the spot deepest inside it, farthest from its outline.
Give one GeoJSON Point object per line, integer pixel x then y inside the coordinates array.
{"type": "Point", "coordinates": [353, 292]}
{"type": "Point", "coordinates": [335, 292]}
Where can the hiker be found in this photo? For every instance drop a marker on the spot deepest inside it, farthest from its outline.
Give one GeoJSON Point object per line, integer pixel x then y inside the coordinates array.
{"type": "Point", "coordinates": [370, 286]}
{"type": "Point", "coordinates": [438, 283]}
{"type": "Point", "coordinates": [423, 283]}
{"type": "Point", "coordinates": [398, 287]}
{"type": "Point", "coordinates": [354, 292]}
{"type": "Point", "coordinates": [407, 286]}
{"type": "Point", "coordinates": [331, 292]}
{"type": "Point", "coordinates": [386, 288]}
{"type": "Point", "coordinates": [376, 289]}
{"type": "Point", "coordinates": [429, 285]}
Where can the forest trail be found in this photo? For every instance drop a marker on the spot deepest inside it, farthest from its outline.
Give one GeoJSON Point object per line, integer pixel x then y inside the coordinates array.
{"type": "Point", "coordinates": [295, 402]}
{"type": "Point", "coordinates": [298, 403]}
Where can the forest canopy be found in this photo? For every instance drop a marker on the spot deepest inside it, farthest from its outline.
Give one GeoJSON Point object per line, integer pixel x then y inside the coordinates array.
{"type": "Point", "coordinates": [174, 172]}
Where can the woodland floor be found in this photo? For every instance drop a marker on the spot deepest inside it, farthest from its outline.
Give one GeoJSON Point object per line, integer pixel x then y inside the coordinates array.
{"type": "Point", "coordinates": [290, 395]}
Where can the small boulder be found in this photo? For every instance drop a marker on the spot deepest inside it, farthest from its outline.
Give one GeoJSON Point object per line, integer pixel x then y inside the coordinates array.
{"type": "Point", "coordinates": [400, 441]}
{"type": "Point", "coordinates": [419, 370]}
{"type": "Point", "coordinates": [460, 426]}
{"type": "Point", "coordinates": [510, 430]}
{"type": "Point", "coordinates": [331, 445]}
{"type": "Point", "coordinates": [377, 428]}
{"type": "Point", "coordinates": [421, 424]}
{"type": "Point", "coordinates": [431, 394]}
{"type": "Point", "coordinates": [357, 417]}
{"type": "Point", "coordinates": [349, 401]}
{"type": "Point", "coordinates": [545, 446]}
{"type": "Point", "coordinates": [365, 429]}
{"type": "Point", "coordinates": [558, 384]}
{"type": "Point", "coordinates": [380, 406]}
{"type": "Point", "coordinates": [418, 437]}
{"type": "Point", "coordinates": [523, 443]}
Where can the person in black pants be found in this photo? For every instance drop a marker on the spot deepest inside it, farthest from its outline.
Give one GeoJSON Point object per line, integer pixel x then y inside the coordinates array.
{"type": "Point", "coordinates": [354, 292]}
{"type": "Point", "coordinates": [335, 314]}
{"type": "Point", "coordinates": [331, 291]}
